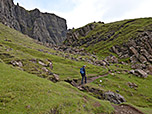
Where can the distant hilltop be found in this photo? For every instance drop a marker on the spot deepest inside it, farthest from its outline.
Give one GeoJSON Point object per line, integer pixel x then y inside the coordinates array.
{"type": "Point", "coordinates": [44, 27]}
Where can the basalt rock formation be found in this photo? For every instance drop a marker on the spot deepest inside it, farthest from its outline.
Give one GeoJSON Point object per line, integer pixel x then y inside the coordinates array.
{"type": "Point", "coordinates": [127, 39]}
{"type": "Point", "coordinates": [73, 37]}
{"type": "Point", "coordinates": [138, 49]}
{"type": "Point", "coordinates": [130, 40]}
{"type": "Point", "coordinates": [44, 27]}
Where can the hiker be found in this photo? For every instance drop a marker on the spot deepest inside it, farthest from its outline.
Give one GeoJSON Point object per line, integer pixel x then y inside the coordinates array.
{"type": "Point", "coordinates": [83, 74]}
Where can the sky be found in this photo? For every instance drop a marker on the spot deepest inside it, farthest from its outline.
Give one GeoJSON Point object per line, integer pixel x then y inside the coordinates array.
{"type": "Point", "coordinates": [81, 12]}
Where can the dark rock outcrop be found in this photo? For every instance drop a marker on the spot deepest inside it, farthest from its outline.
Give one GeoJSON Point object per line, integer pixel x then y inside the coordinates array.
{"type": "Point", "coordinates": [139, 49]}
{"type": "Point", "coordinates": [44, 27]}
{"type": "Point", "coordinates": [74, 35]}
{"type": "Point", "coordinates": [17, 63]}
{"type": "Point", "coordinates": [139, 73]}
{"type": "Point", "coordinates": [114, 97]}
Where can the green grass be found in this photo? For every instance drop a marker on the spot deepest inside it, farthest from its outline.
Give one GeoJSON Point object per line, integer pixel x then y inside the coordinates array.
{"type": "Point", "coordinates": [23, 91]}
{"type": "Point", "coordinates": [115, 33]}
{"type": "Point", "coordinates": [25, 49]}
{"type": "Point", "coordinates": [140, 97]}
{"type": "Point", "coordinates": [26, 93]}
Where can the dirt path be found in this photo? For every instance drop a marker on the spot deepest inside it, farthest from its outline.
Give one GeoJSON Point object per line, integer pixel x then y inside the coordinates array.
{"type": "Point", "coordinates": [126, 109]}
{"type": "Point", "coordinates": [119, 109]}
{"type": "Point", "coordinates": [89, 80]}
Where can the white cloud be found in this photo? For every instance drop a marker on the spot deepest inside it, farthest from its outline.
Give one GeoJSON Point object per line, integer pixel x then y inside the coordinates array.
{"type": "Point", "coordinates": [81, 12]}
{"type": "Point", "coordinates": [28, 4]}
{"type": "Point", "coordinates": [85, 11]}
{"type": "Point", "coordinates": [143, 10]}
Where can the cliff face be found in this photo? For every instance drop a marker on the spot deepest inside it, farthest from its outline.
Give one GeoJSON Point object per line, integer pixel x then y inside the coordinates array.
{"type": "Point", "coordinates": [44, 27]}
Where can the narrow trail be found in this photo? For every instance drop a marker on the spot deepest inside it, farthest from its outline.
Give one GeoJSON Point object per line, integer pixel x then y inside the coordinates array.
{"type": "Point", "coordinates": [126, 109]}
{"type": "Point", "coordinates": [89, 80]}
{"type": "Point", "coordinates": [119, 109]}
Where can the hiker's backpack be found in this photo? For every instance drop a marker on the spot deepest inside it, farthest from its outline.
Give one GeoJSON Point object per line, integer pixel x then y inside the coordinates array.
{"type": "Point", "coordinates": [81, 71]}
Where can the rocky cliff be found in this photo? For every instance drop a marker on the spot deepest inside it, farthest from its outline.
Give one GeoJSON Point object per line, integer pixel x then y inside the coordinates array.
{"type": "Point", "coordinates": [44, 27]}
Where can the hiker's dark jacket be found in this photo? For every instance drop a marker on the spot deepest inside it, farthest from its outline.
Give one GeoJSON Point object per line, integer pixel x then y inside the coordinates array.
{"type": "Point", "coordinates": [84, 71]}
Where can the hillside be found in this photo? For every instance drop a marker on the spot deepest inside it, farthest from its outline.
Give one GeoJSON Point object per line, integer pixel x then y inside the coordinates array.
{"type": "Point", "coordinates": [29, 85]}
{"type": "Point", "coordinates": [25, 93]}
{"type": "Point", "coordinates": [26, 86]}
{"type": "Point", "coordinates": [111, 38]}
{"type": "Point", "coordinates": [126, 46]}
{"type": "Point", "coordinates": [126, 41]}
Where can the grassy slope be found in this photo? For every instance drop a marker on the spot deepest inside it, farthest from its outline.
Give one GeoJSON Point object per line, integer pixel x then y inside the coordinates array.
{"type": "Point", "coordinates": [123, 31]}
{"type": "Point", "coordinates": [23, 92]}
{"type": "Point", "coordinates": [25, 49]}
{"type": "Point", "coordinates": [140, 96]}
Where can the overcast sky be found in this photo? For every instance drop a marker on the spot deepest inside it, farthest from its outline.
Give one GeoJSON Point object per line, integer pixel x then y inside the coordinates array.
{"type": "Point", "coordinates": [81, 12]}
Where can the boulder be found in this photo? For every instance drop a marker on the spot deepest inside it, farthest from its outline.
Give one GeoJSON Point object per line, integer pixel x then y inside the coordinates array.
{"type": "Point", "coordinates": [56, 77]}
{"type": "Point", "coordinates": [45, 69]}
{"type": "Point", "coordinates": [133, 59]}
{"type": "Point", "coordinates": [123, 63]}
{"type": "Point", "coordinates": [138, 66]}
{"type": "Point", "coordinates": [114, 97]}
{"type": "Point", "coordinates": [114, 59]}
{"type": "Point", "coordinates": [111, 59]}
{"type": "Point", "coordinates": [33, 60]}
{"type": "Point", "coordinates": [142, 59]}
{"type": "Point", "coordinates": [149, 68]}
{"type": "Point", "coordinates": [134, 51]}
{"type": "Point", "coordinates": [17, 63]}
{"type": "Point", "coordinates": [145, 53]}
{"type": "Point", "coordinates": [115, 50]}
{"type": "Point", "coordinates": [73, 83]}
{"type": "Point", "coordinates": [43, 64]}
{"type": "Point", "coordinates": [140, 73]}
{"type": "Point", "coordinates": [102, 62]}
{"type": "Point", "coordinates": [132, 85]}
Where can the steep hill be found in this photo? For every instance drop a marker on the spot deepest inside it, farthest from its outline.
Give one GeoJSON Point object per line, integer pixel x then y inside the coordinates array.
{"type": "Point", "coordinates": [122, 38]}
{"type": "Point", "coordinates": [44, 27]}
